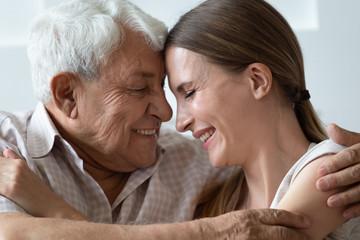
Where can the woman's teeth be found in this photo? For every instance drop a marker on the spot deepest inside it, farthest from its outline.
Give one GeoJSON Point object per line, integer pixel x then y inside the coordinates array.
{"type": "Point", "coordinates": [206, 135]}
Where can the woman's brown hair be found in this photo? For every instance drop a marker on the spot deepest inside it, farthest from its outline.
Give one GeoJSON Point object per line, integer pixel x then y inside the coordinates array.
{"type": "Point", "coordinates": [234, 34]}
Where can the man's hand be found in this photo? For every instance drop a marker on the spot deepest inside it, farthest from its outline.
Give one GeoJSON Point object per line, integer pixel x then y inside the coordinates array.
{"type": "Point", "coordinates": [343, 170]}
{"type": "Point", "coordinates": [259, 224]}
{"type": "Point", "coordinates": [20, 184]}
{"type": "Point", "coordinates": [19, 181]}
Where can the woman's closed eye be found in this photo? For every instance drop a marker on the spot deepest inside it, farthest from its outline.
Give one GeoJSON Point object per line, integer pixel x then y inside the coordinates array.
{"type": "Point", "coordinates": [189, 93]}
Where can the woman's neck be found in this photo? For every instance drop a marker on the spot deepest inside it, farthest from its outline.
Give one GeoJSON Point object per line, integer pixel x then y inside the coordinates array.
{"type": "Point", "coordinates": [278, 148]}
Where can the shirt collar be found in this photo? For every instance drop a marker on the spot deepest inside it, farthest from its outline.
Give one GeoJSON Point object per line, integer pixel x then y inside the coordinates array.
{"type": "Point", "coordinates": [41, 133]}
{"type": "Point", "coordinates": [142, 174]}
{"type": "Point", "coordinates": [139, 176]}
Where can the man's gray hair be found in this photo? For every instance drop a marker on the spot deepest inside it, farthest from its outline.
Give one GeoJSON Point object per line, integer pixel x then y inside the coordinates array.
{"type": "Point", "coordinates": [79, 37]}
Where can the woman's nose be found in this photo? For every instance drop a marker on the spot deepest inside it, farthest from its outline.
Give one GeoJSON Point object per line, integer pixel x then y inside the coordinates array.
{"type": "Point", "coordinates": [183, 119]}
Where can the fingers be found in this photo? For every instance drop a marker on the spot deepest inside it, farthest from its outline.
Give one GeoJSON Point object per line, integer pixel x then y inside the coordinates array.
{"type": "Point", "coordinates": [342, 136]}
{"type": "Point", "coordinates": [266, 224]}
{"type": "Point", "coordinates": [284, 225]}
{"type": "Point", "coordinates": [281, 233]}
{"type": "Point", "coordinates": [341, 178]}
{"type": "Point", "coordinates": [352, 212]}
{"type": "Point", "coordinates": [10, 154]}
{"type": "Point", "coordinates": [347, 197]}
{"type": "Point", "coordinates": [284, 218]}
{"type": "Point", "coordinates": [343, 170]}
{"type": "Point", "coordinates": [278, 224]}
{"type": "Point", "coordinates": [11, 177]}
{"type": "Point", "coordinates": [345, 158]}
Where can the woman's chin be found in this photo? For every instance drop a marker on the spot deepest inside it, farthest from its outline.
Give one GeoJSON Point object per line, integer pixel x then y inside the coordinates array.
{"type": "Point", "coordinates": [217, 162]}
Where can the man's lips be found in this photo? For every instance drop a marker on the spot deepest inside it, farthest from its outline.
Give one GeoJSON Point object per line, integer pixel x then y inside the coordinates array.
{"type": "Point", "coordinates": [147, 132]}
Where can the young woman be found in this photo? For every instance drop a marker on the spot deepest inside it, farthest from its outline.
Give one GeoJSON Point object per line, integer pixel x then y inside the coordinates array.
{"type": "Point", "coordinates": [237, 72]}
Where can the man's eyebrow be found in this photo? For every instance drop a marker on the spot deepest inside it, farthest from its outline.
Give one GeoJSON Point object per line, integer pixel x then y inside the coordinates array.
{"type": "Point", "coordinates": [145, 74]}
{"type": "Point", "coordinates": [150, 75]}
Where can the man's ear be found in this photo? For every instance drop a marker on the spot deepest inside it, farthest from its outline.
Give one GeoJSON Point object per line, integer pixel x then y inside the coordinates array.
{"type": "Point", "coordinates": [260, 80]}
{"type": "Point", "coordinates": [62, 88]}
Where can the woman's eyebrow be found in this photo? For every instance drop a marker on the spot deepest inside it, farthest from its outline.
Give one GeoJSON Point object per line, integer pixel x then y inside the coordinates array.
{"type": "Point", "coordinates": [182, 86]}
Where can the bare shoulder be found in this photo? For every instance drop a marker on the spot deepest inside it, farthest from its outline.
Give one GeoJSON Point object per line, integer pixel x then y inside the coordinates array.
{"type": "Point", "coordinates": [303, 197]}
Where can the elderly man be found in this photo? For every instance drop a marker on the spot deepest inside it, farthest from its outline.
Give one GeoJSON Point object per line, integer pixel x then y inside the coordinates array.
{"type": "Point", "coordinates": [95, 137]}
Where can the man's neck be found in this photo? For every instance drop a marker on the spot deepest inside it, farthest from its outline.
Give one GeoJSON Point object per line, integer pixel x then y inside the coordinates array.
{"type": "Point", "coordinates": [111, 182]}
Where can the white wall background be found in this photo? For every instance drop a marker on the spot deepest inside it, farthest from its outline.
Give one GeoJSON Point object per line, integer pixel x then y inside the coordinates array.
{"type": "Point", "coordinates": [328, 31]}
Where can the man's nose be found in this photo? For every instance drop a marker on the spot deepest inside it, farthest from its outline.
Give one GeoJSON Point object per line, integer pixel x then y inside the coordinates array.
{"type": "Point", "coordinates": [160, 107]}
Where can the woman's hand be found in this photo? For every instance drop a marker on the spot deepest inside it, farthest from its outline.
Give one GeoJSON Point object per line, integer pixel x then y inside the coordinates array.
{"type": "Point", "coordinates": [343, 169]}
{"type": "Point", "coordinates": [20, 184]}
